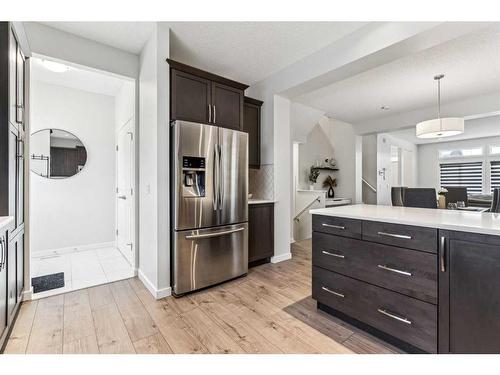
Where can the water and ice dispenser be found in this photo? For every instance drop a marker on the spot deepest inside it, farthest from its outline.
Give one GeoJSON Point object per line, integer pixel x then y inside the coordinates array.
{"type": "Point", "coordinates": [193, 176]}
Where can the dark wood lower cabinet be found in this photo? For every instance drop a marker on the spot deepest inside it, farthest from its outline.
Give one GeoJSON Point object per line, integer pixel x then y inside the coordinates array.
{"type": "Point", "coordinates": [391, 290]}
{"type": "Point", "coordinates": [469, 315]}
{"type": "Point", "coordinates": [260, 233]}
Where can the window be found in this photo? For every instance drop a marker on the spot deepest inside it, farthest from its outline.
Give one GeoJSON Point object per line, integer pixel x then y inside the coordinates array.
{"type": "Point", "coordinates": [494, 174]}
{"type": "Point", "coordinates": [494, 150]}
{"type": "Point", "coordinates": [469, 175]}
{"type": "Point", "coordinates": [461, 153]}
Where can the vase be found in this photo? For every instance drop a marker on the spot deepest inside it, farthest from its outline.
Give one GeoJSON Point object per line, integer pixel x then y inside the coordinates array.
{"type": "Point", "coordinates": [311, 187]}
{"type": "Point", "coordinates": [331, 193]}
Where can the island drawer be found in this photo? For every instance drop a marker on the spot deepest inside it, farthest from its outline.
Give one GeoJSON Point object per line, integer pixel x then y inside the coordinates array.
{"type": "Point", "coordinates": [405, 318]}
{"type": "Point", "coordinates": [413, 273]}
{"type": "Point", "coordinates": [337, 225]}
{"type": "Point", "coordinates": [407, 236]}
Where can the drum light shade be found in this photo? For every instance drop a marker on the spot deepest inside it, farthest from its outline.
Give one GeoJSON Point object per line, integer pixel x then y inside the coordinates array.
{"type": "Point", "coordinates": [440, 127]}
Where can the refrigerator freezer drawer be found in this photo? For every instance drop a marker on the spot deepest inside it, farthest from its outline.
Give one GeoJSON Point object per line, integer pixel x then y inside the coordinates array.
{"type": "Point", "coordinates": [206, 257]}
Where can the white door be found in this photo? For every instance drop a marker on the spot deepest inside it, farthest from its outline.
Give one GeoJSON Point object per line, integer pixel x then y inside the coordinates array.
{"type": "Point", "coordinates": [125, 192]}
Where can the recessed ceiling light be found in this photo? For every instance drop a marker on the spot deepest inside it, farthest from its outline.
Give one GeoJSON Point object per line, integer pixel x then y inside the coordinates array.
{"type": "Point", "coordinates": [384, 108]}
{"type": "Point", "coordinates": [55, 66]}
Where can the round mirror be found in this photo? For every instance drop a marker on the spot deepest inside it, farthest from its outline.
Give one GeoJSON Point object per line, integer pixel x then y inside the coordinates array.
{"type": "Point", "coordinates": [56, 154]}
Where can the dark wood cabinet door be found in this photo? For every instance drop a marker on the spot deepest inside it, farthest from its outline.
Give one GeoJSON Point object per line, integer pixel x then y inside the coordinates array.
{"type": "Point", "coordinates": [12, 76]}
{"type": "Point", "coordinates": [11, 279]}
{"type": "Point", "coordinates": [19, 87]}
{"type": "Point", "coordinates": [20, 265]}
{"type": "Point", "coordinates": [13, 172]}
{"type": "Point", "coordinates": [63, 161]}
{"type": "Point", "coordinates": [190, 97]}
{"type": "Point", "coordinates": [3, 285]}
{"type": "Point", "coordinates": [251, 125]}
{"type": "Point", "coordinates": [227, 104]}
{"type": "Point", "coordinates": [473, 296]}
{"type": "Point", "coordinates": [260, 231]}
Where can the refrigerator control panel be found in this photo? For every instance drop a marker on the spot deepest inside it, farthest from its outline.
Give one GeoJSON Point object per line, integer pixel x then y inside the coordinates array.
{"type": "Point", "coordinates": [193, 177]}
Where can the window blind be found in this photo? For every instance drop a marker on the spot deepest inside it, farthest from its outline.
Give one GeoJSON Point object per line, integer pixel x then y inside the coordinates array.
{"type": "Point", "coordinates": [469, 175]}
{"type": "Point", "coordinates": [495, 174]}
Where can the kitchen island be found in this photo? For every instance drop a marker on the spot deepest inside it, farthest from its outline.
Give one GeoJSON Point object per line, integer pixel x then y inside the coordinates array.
{"type": "Point", "coordinates": [426, 280]}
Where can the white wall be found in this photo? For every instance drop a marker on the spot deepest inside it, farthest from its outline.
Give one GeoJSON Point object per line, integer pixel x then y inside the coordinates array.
{"type": "Point", "coordinates": [302, 119]}
{"type": "Point", "coordinates": [384, 142]}
{"type": "Point", "coordinates": [125, 104]}
{"type": "Point", "coordinates": [428, 158]}
{"type": "Point", "coordinates": [154, 225]}
{"type": "Point", "coordinates": [47, 41]}
{"type": "Point", "coordinates": [316, 148]}
{"type": "Point", "coordinates": [79, 210]}
{"type": "Point", "coordinates": [369, 167]}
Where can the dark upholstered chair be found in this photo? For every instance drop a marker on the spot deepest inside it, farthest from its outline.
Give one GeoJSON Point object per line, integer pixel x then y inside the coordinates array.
{"type": "Point", "coordinates": [420, 197]}
{"type": "Point", "coordinates": [397, 195]}
{"type": "Point", "coordinates": [456, 194]}
{"type": "Point", "coordinates": [495, 202]}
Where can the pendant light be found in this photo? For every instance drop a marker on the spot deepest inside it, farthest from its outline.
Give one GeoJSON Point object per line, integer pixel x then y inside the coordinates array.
{"type": "Point", "coordinates": [440, 127]}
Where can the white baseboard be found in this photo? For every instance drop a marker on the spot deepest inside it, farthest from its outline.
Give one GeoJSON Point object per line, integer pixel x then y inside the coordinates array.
{"type": "Point", "coordinates": [157, 293]}
{"type": "Point", "coordinates": [72, 249]}
{"type": "Point", "coordinates": [281, 257]}
{"type": "Point", "coordinates": [27, 295]}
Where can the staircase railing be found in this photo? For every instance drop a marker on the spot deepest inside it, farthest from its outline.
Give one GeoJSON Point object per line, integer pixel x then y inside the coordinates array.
{"type": "Point", "coordinates": [297, 217]}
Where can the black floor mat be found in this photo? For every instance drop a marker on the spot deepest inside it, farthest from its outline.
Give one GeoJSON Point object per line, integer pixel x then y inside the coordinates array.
{"type": "Point", "coordinates": [48, 282]}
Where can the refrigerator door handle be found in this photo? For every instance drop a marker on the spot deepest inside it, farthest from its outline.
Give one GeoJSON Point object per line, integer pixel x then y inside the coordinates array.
{"type": "Point", "coordinates": [215, 182]}
{"type": "Point", "coordinates": [221, 179]}
{"type": "Point", "coordinates": [214, 234]}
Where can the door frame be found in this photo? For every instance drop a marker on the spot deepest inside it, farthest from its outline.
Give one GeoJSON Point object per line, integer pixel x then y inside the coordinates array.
{"type": "Point", "coordinates": [134, 194]}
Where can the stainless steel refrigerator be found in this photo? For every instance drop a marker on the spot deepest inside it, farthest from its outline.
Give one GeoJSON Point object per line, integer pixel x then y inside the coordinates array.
{"type": "Point", "coordinates": [209, 205]}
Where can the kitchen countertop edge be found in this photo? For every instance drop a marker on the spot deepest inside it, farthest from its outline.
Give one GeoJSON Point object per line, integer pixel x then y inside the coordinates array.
{"type": "Point", "coordinates": [462, 221]}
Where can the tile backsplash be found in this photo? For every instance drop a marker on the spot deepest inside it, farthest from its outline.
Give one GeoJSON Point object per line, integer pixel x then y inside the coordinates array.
{"type": "Point", "coordinates": [261, 182]}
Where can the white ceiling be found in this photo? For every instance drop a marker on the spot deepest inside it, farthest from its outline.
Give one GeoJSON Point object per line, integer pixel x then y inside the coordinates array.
{"type": "Point", "coordinates": [471, 64]}
{"type": "Point", "coordinates": [251, 51]}
{"type": "Point", "coordinates": [474, 128]}
{"type": "Point", "coordinates": [244, 51]}
{"type": "Point", "coordinates": [127, 36]}
{"type": "Point", "coordinates": [78, 78]}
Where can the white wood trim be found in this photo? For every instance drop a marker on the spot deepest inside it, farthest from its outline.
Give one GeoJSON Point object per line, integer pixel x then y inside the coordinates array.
{"type": "Point", "coordinates": [281, 257]}
{"type": "Point", "coordinates": [27, 295]}
{"type": "Point", "coordinates": [72, 249]}
{"type": "Point", "coordinates": [157, 293]}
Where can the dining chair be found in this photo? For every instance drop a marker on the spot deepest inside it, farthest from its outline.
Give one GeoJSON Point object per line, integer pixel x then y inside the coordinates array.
{"type": "Point", "coordinates": [420, 197]}
{"type": "Point", "coordinates": [456, 194]}
{"type": "Point", "coordinates": [397, 195]}
{"type": "Point", "coordinates": [495, 202]}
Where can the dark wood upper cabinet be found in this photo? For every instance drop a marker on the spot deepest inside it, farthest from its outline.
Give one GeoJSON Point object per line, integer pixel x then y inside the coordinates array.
{"type": "Point", "coordinates": [251, 125]}
{"type": "Point", "coordinates": [200, 96]}
{"type": "Point", "coordinates": [227, 106]}
{"type": "Point", "coordinates": [190, 97]}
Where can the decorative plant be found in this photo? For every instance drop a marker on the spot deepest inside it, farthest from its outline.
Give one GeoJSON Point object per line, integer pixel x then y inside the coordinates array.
{"type": "Point", "coordinates": [313, 175]}
{"type": "Point", "coordinates": [330, 182]}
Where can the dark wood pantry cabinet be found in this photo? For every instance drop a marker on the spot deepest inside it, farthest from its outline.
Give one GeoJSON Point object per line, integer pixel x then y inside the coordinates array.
{"type": "Point", "coordinates": [251, 125]}
{"type": "Point", "coordinates": [12, 169]}
{"type": "Point", "coordinates": [200, 96]}
{"type": "Point", "coordinates": [260, 233]}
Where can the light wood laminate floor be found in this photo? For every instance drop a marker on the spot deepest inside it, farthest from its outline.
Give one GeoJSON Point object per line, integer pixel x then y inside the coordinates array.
{"type": "Point", "coordinates": [268, 311]}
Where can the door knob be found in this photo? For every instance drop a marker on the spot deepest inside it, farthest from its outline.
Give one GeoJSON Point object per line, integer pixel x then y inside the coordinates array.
{"type": "Point", "coordinates": [122, 197]}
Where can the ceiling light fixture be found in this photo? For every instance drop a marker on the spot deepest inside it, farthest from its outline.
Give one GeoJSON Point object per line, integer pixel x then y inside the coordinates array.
{"type": "Point", "coordinates": [440, 127]}
{"type": "Point", "coordinates": [385, 108]}
{"type": "Point", "coordinates": [55, 66]}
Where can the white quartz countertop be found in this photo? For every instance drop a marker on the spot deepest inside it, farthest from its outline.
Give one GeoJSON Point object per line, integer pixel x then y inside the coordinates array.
{"type": "Point", "coordinates": [464, 221]}
{"type": "Point", "coordinates": [260, 201]}
{"type": "Point", "coordinates": [5, 220]}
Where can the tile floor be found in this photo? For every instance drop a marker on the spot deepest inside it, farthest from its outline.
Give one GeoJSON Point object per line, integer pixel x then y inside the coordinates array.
{"type": "Point", "coordinates": [83, 269]}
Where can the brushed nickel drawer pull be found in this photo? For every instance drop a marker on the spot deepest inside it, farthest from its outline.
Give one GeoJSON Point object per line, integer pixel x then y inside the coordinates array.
{"type": "Point", "coordinates": [333, 226]}
{"type": "Point", "coordinates": [333, 254]}
{"type": "Point", "coordinates": [394, 316]}
{"type": "Point", "coordinates": [406, 273]}
{"type": "Point", "coordinates": [402, 236]}
{"type": "Point", "coordinates": [332, 292]}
